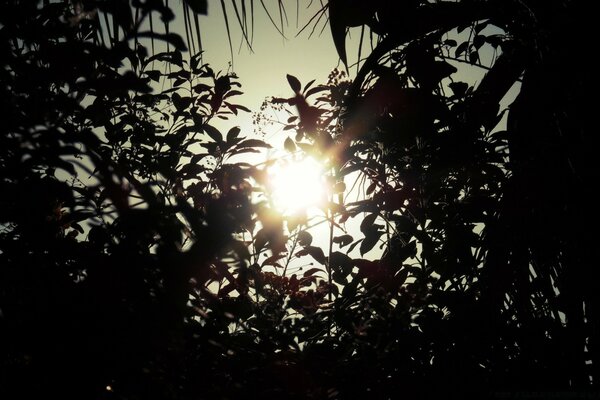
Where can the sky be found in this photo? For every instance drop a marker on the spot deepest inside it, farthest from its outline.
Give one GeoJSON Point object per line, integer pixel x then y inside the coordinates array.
{"type": "Point", "coordinates": [262, 71]}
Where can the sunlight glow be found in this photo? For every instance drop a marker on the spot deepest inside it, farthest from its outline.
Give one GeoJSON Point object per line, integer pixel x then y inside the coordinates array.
{"type": "Point", "coordinates": [296, 185]}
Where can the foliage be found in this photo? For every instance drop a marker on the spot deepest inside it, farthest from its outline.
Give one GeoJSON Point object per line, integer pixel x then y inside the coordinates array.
{"type": "Point", "coordinates": [115, 198]}
{"type": "Point", "coordinates": [137, 261]}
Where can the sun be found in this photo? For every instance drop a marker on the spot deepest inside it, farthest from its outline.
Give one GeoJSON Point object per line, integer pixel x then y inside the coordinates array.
{"type": "Point", "coordinates": [296, 185]}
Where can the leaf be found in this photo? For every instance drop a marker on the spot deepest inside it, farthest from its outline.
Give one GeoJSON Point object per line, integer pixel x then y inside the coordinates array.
{"type": "Point", "coordinates": [370, 241]}
{"type": "Point", "coordinates": [343, 240]}
{"type": "Point", "coordinates": [459, 88]}
{"type": "Point", "coordinates": [308, 85]}
{"type": "Point", "coordinates": [337, 24]}
{"type": "Point", "coordinates": [253, 143]}
{"type": "Point", "coordinates": [201, 87]}
{"type": "Point", "coordinates": [474, 57]}
{"type": "Point", "coordinates": [450, 43]}
{"type": "Point", "coordinates": [245, 150]}
{"type": "Point", "coordinates": [213, 133]}
{"type": "Point", "coordinates": [289, 145]}
{"type": "Point", "coordinates": [442, 69]}
{"type": "Point", "coordinates": [479, 41]}
{"type": "Point", "coordinates": [198, 6]}
{"type": "Point", "coordinates": [400, 277]}
{"type": "Point", "coordinates": [154, 75]}
{"type": "Point", "coordinates": [349, 169]}
{"type": "Point", "coordinates": [495, 40]}
{"type": "Point", "coordinates": [354, 245]}
{"type": "Point", "coordinates": [191, 170]}
{"type": "Point", "coordinates": [77, 227]}
{"type": "Point", "coordinates": [461, 49]}
{"type": "Point", "coordinates": [366, 268]}
{"type": "Point", "coordinates": [314, 252]}
{"type": "Point", "coordinates": [339, 187]}
{"type": "Point", "coordinates": [312, 271]}
{"type": "Point", "coordinates": [315, 90]}
{"type": "Point", "coordinates": [304, 238]}
{"type": "Point", "coordinates": [371, 188]}
{"type": "Point", "coordinates": [340, 262]}
{"type": "Point", "coordinates": [480, 27]}
{"type": "Point", "coordinates": [181, 103]}
{"type": "Point", "coordinates": [243, 108]}
{"type": "Point", "coordinates": [241, 250]}
{"type": "Point", "coordinates": [306, 147]}
{"type": "Point", "coordinates": [173, 57]}
{"type": "Point", "coordinates": [294, 83]}
{"type": "Point", "coordinates": [273, 260]}
{"type": "Point", "coordinates": [367, 223]}
{"type": "Point", "coordinates": [232, 93]}
{"type": "Point", "coordinates": [233, 134]}
{"type": "Point", "coordinates": [171, 38]}
{"type": "Point", "coordinates": [260, 240]}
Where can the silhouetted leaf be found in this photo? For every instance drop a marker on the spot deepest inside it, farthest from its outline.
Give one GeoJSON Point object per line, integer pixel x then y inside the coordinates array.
{"type": "Point", "coordinates": [370, 240]}
{"type": "Point", "coordinates": [304, 238]}
{"type": "Point", "coordinates": [314, 252]}
{"type": "Point", "coordinates": [273, 260]}
{"type": "Point", "coordinates": [459, 88]}
{"type": "Point", "coordinates": [289, 145]}
{"type": "Point", "coordinates": [233, 134]}
{"type": "Point", "coordinates": [171, 38]}
{"type": "Point", "coordinates": [154, 75]}
{"type": "Point", "coordinates": [474, 57]}
{"type": "Point", "coordinates": [461, 49]}
{"type": "Point", "coordinates": [443, 69]}
{"type": "Point", "coordinates": [198, 6]}
{"type": "Point", "coordinates": [344, 14]}
{"type": "Point", "coordinates": [353, 245]}
{"type": "Point", "coordinates": [253, 143]}
{"type": "Point", "coordinates": [213, 133]}
{"type": "Point", "coordinates": [181, 103]}
{"type": "Point", "coordinates": [341, 265]}
{"type": "Point", "coordinates": [232, 93]}
{"type": "Point", "coordinates": [367, 222]}
{"type": "Point", "coordinates": [450, 43]}
{"type": "Point", "coordinates": [294, 83]}
{"type": "Point", "coordinates": [315, 90]}
{"type": "Point", "coordinates": [173, 57]}
{"type": "Point", "coordinates": [343, 240]}
{"type": "Point", "coordinates": [260, 239]}
{"type": "Point", "coordinates": [479, 41]}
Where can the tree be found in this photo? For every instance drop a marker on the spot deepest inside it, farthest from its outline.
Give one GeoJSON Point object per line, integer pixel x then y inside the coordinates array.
{"type": "Point", "coordinates": [132, 247]}
{"type": "Point", "coordinates": [109, 212]}
{"type": "Point", "coordinates": [493, 213]}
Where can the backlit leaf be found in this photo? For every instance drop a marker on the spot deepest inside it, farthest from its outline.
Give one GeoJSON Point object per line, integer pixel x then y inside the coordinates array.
{"type": "Point", "coordinates": [343, 240]}
{"type": "Point", "coordinates": [294, 83]}
{"type": "Point", "coordinates": [314, 252]}
{"type": "Point", "coordinates": [289, 145]}
{"type": "Point", "coordinates": [367, 223]}
{"type": "Point", "coordinates": [198, 6]}
{"type": "Point", "coordinates": [233, 134]}
{"type": "Point", "coordinates": [370, 241]}
{"type": "Point", "coordinates": [253, 143]}
{"type": "Point", "coordinates": [213, 133]}
{"type": "Point", "coordinates": [304, 238]}
{"type": "Point", "coordinates": [171, 38]}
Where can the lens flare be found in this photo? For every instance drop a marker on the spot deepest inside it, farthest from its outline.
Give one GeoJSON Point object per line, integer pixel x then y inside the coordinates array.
{"type": "Point", "coordinates": [296, 185]}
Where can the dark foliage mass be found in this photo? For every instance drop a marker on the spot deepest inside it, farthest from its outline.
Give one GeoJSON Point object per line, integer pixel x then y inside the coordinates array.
{"type": "Point", "coordinates": [138, 262]}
